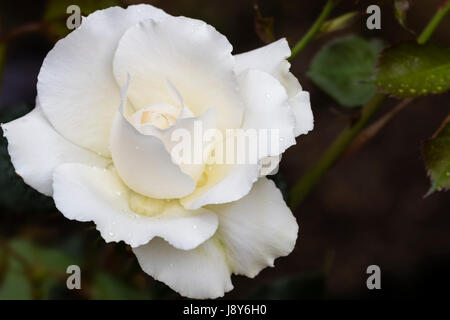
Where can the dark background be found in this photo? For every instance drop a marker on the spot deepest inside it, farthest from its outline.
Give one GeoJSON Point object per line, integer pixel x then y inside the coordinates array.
{"type": "Point", "coordinates": [368, 209]}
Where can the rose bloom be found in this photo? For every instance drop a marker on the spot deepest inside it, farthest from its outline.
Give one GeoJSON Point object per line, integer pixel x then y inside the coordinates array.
{"type": "Point", "coordinates": [104, 154]}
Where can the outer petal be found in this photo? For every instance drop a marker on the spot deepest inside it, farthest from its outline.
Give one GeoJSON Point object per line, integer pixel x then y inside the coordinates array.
{"type": "Point", "coordinates": [252, 233]}
{"type": "Point", "coordinates": [301, 106]}
{"type": "Point", "coordinates": [36, 149]}
{"type": "Point", "coordinates": [272, 59]}
{"type": "Point", "coordinates": [267, 58]}
{"type": "Point", "coordinates": [200, 273]}
{"type": "Point", "coordinates": [267, 108]}
{"type": "Point", "coordinates": [189, 53]}
{"type": "Point", "coordinates": [256, 229]}
{"type": "Point", "coordinates": [90, 194]}
{"type": "Point", "coordinates": [144, 163]}
{"type": "Point", "coordinates": [76, 86]}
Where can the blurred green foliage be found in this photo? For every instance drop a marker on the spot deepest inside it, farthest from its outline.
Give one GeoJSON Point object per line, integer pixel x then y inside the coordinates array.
{"type": "Point", "coordinates": [108, 287]}
{"type": "Point", "coordinates": [343, 68]}
{"type": "Point", "coordinates": [32, 272]}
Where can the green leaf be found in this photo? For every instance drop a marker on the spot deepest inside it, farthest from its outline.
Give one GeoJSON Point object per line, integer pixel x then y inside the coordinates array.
{"type": "Point", "coordinates": [338, 23]}
{"type": "Point", "coordinates": [411, 70]}
{"type": "Point", "coordinates": [16, 196]}
{"type": "Point", "coordinates": [107, 287]}
{"type": "Point", "coordinates": [436, 153]}
{"type": "Point", "coordinates": [343, 69]}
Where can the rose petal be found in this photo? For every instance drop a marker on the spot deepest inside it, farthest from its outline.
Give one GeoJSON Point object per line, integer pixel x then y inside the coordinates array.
{"type": "Point", "coordinates": [36, 149]}
{"type": "Point", "coordinates": [190, 54]}
{"type": "Point", "coordinates": [76, 86]}
{"type": "Point", "coordinates": [252, 233]}
{"type": "Point", "coordinates": [267, 109]}
{"type": "Point", "coordinates": [90, 194]}
{"type": "Point", "coordinates": [225, 183]}
{"type": "Point", "coordinates": [256, 229]}
{"type": "Point", "coordinates": [200, 273]}
{"type": "Point", "coordinates": [272, 59]}
{"type": "Point", "coordinates": [182, 137]}
{"type": "Point", "coordinates": [144, 163]}
{"type": "Point", "coordinates": [301, 106]}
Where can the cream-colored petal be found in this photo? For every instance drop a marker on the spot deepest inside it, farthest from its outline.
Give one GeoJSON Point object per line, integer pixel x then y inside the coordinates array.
{"type": "Point", "coordinates": [267, 110]}
{"type": "Point", "coordinates": [144, 163]}
{"type": "Point", "coordinates": [224, 183]}
{"type": "Point", "coordinates": [252, 233]}
{"type": "Point", "coordinates": [201, 273]}
{"type": "Point", "coordinates": [84, 193]}
{"type": "Point", "coordinates": [301, 106]}
{"type": "Point", "coordinates": [36, 149]}
{"type": "Point", "coordinates": [190, 54]}
{"type": "Point", "coordinates": [272, 59]}
{"type": "Point", "coordinates": [76, 86]}
{"type": "Point", "coordinates": [186, 135]}
{"type": "Point", "coordinates": [256, 229]}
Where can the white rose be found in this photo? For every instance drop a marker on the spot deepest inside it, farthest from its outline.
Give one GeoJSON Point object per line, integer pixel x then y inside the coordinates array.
{"type": "Point", "coordinates": [113, 165]}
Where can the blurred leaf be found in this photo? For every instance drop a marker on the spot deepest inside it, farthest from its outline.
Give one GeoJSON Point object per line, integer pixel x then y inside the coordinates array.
{"type": "Point", "coordinates": [338, 23]}
{"type": "Point", "coordinates": [343, 67]}
{"type": "Point", "coordinates": [400, 9]}
{"type": "Point", "coordinates": [16, 196]}
{"type": "Point", "coordinates": [264, 26]}
{"type": "Point", "coordinates": [15, 285]}
{"type": "Point", "coordinates": [411, 70]}
{"type": "Point", "coordinates": [437, 158]}
{"type": "Point", "coordinates": [107, 287]}
{"type": "Point", "coordinates": [296, 287]}
{"type": "Point", "coordinates": [49, 260]}
{"type": "Point", "coordinates": [56, 12]}
{"type": "Point", "coordinates": [35, 270]}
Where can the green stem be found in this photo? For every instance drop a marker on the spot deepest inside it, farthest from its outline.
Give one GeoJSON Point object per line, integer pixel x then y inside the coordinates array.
{"type": "Point", "coordinates": [434, 22]}
{"type": "Point", "coordinates": [306, 183]}
{"type": "Point", "coordinates": [315, 28]}
{"type": "Point", "coordinates": [302, 188]}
